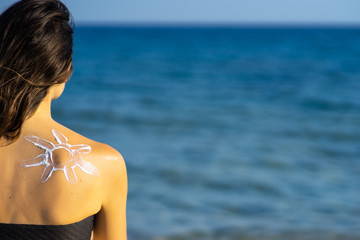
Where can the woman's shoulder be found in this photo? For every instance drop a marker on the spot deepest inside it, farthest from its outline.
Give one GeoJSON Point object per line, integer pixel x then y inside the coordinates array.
{"type": "Point", "coordinates": [110, 166]}
{"type": "Point", "coordinates": [90, 156]}
{"type": "Point", "coordinates": [105, 158]}
{"type": "Point", "coordinates": [97, 164]}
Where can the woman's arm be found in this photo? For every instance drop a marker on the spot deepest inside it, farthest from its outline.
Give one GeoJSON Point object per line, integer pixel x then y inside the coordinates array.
{"type": "Point", "coordinates": [110, 222]}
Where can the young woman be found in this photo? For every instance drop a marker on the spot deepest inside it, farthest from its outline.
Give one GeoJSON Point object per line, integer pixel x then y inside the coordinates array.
{"type": "Point", "coordinates": [54, 183]}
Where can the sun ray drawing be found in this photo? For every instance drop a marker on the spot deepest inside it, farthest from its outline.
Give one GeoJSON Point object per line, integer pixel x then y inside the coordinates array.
{"type": "Point", "coordinates": [50, 165]}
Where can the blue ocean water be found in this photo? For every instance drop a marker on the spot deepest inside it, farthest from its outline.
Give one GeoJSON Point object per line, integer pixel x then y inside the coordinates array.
{"type": "Point", "coordinates": [228, 133]}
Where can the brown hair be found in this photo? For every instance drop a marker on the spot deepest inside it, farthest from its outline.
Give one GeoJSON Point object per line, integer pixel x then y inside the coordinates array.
{"type": "Point", "coordinates": [36, 41]}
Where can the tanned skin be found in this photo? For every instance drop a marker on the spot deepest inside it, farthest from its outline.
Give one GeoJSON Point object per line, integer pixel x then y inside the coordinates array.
{"type": "Point", "coordinates": [25, 200]}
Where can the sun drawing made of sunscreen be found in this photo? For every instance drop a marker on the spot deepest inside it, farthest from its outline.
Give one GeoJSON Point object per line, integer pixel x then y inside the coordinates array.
{"type": "Point", "coordinates": [47, 158]}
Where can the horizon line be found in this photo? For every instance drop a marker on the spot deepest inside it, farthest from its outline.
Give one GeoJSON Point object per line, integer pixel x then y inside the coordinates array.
{"type": "Point", "coordinates": [217, 24]}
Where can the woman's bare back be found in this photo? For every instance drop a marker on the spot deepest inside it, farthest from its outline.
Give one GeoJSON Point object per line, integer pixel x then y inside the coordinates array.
{"type": "Point", "coordinates": [26, 199]}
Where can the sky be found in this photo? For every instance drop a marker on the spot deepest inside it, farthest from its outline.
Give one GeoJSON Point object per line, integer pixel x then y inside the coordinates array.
{"type": "Point", "coordinates": [339, 12]}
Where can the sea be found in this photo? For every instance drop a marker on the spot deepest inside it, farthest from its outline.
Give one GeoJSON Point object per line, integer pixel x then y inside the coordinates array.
{"type": "Point", "coordinates": [228, 132]}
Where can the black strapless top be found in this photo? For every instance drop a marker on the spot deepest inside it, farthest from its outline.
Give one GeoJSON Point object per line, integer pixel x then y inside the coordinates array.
{"type": "Point", "coordinates": [76, 231]}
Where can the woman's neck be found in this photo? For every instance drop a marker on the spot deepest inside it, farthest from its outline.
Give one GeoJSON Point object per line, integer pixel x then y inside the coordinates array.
{"type": "Point", "coordinates": [41, 116]}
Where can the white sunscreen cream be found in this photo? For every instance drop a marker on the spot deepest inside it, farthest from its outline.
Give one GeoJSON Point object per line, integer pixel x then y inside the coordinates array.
{"type": "Point", "coordinates": [47, 158]}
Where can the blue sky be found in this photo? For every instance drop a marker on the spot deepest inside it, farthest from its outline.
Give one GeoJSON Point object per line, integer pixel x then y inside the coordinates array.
{"type": "Point", "coordinates": [214, 11]}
